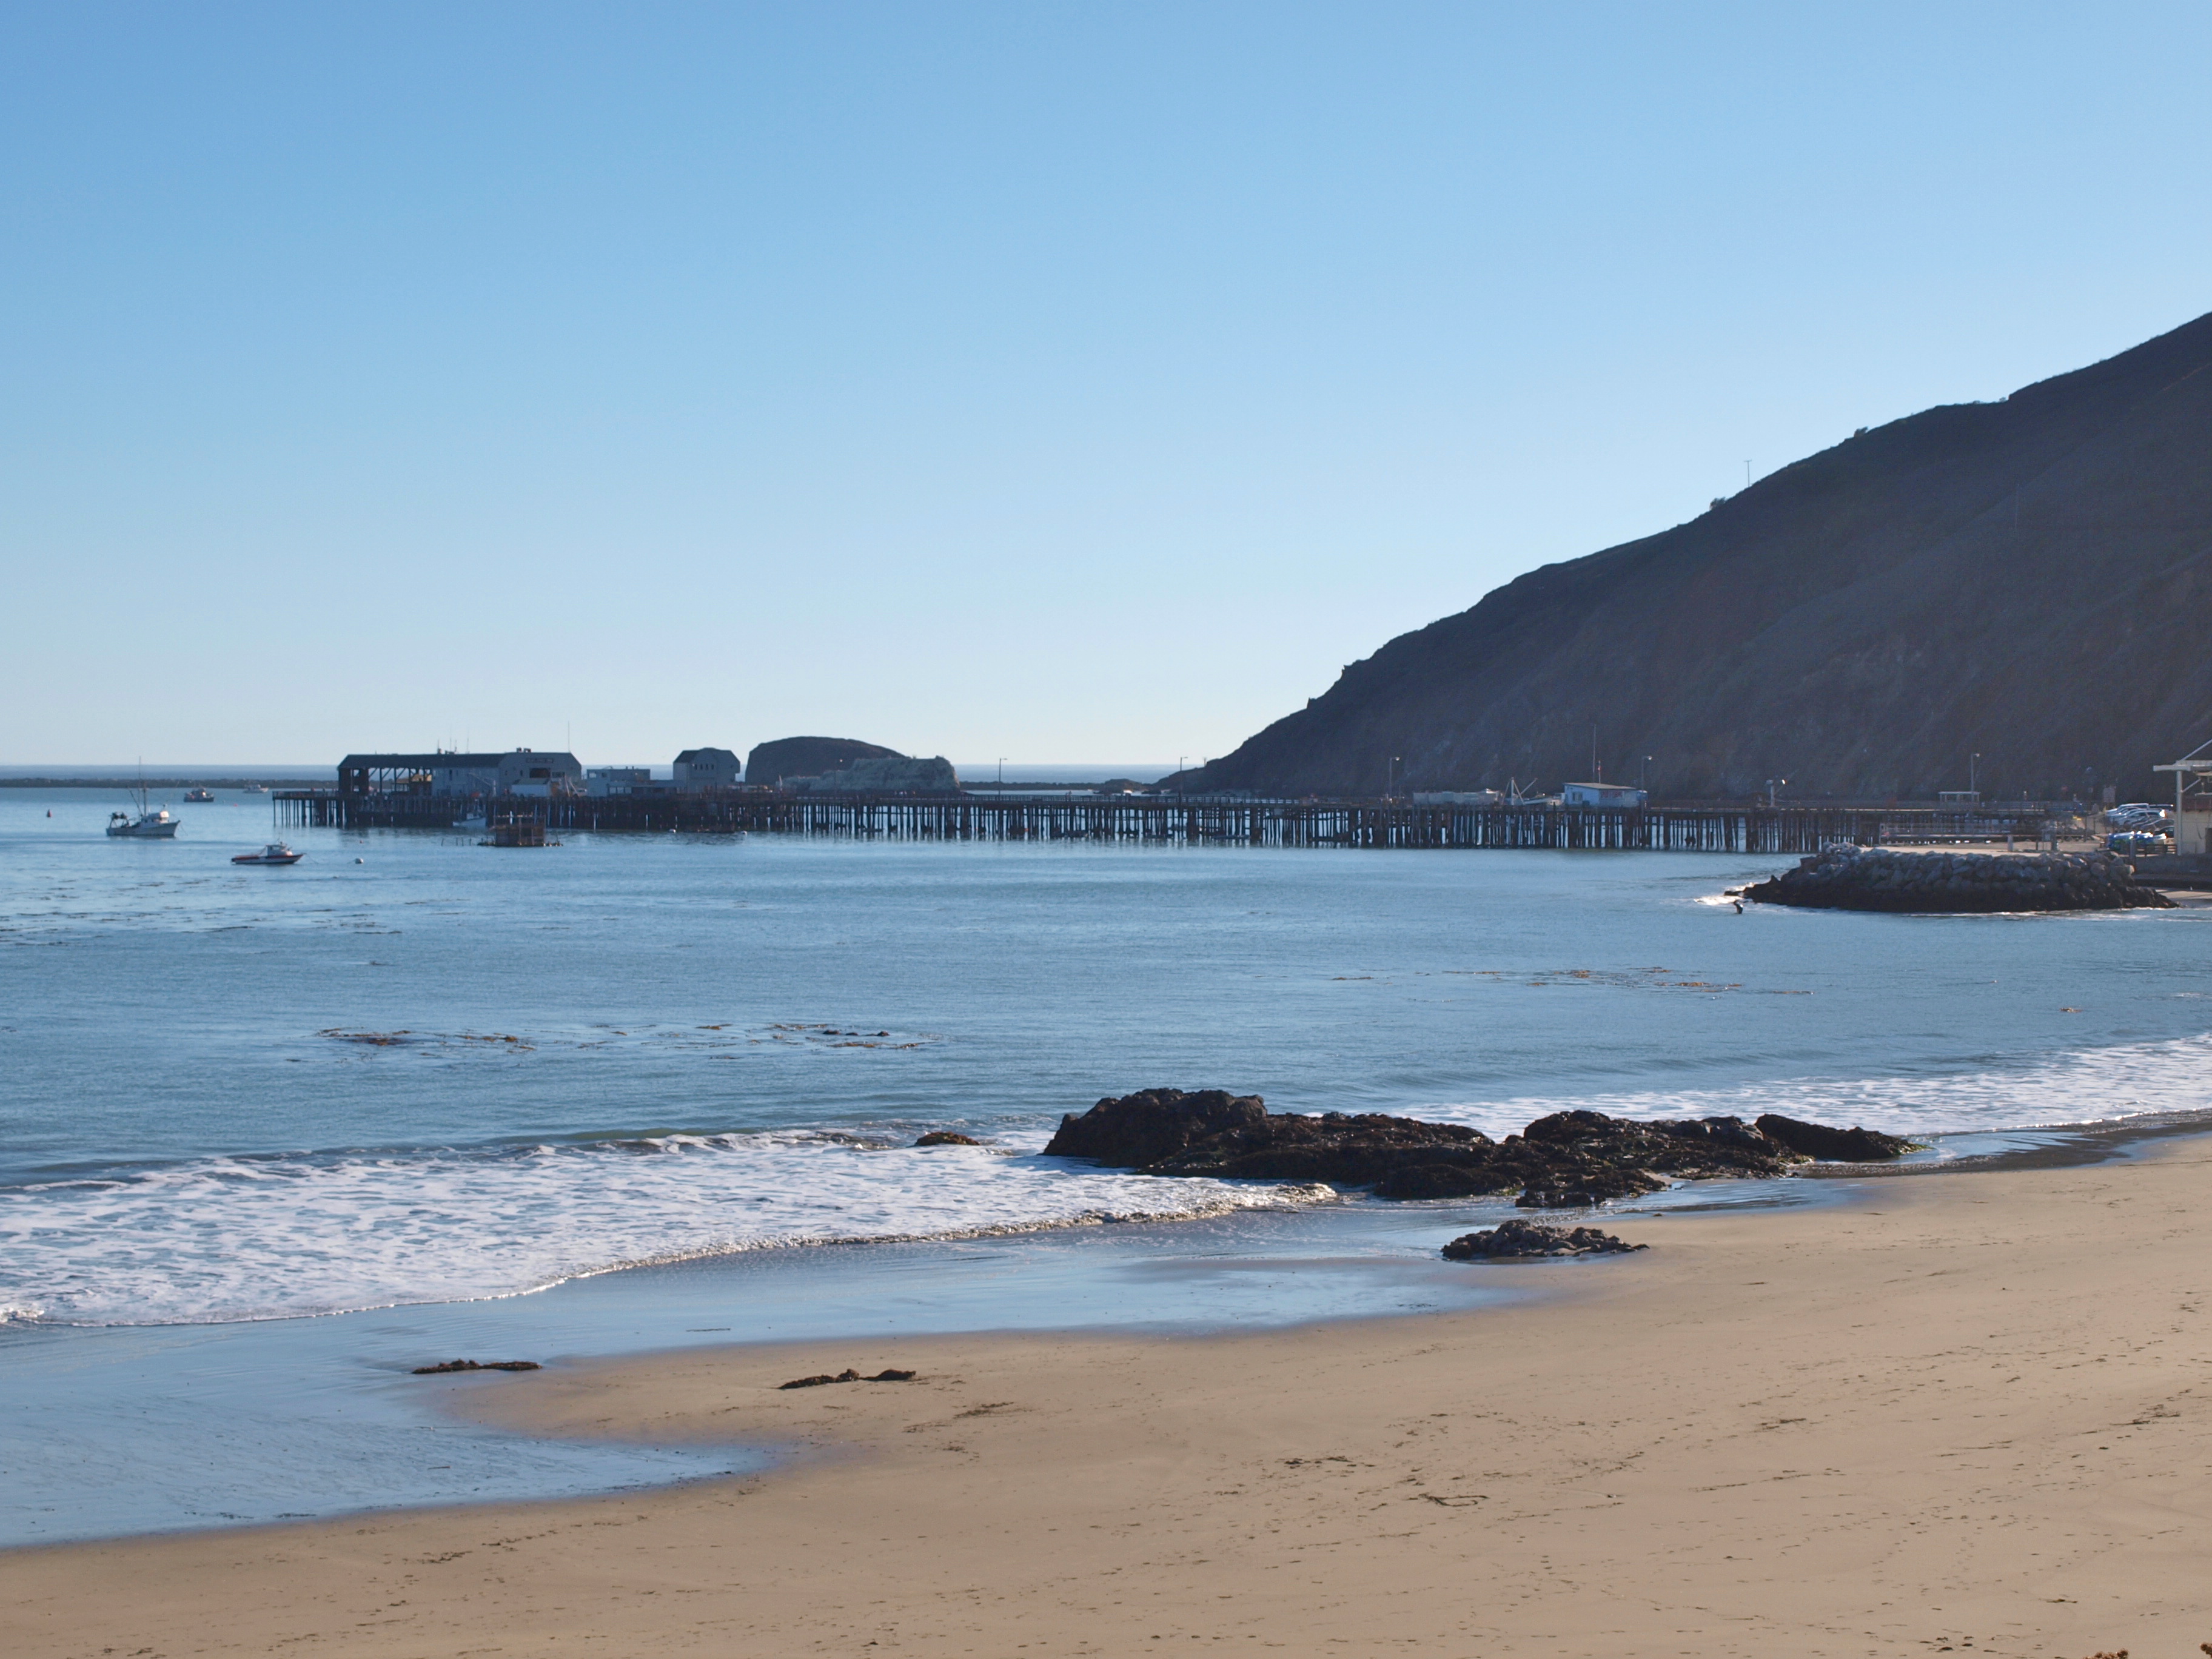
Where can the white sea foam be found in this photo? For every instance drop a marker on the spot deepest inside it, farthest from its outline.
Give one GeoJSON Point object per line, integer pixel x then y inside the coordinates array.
{"type": "Point", "coordinates": [219, 1239]}
{"type": "Point", "coordinates": [236, 1238]}
{"type": "Point", "coordinates": [2085, 1086]}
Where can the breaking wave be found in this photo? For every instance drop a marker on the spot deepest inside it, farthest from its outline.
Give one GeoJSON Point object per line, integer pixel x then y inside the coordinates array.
{"type": "Point", "coordinates": [239, 1238]}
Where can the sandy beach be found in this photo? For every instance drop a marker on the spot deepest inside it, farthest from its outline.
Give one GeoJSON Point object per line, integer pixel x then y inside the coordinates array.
{"type": "Point", "coordinates": [1962, 1413]}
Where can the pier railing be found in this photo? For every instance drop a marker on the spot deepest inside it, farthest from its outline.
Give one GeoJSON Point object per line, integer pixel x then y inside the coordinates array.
{"type": "Point", "coordinates": [1168, 820]}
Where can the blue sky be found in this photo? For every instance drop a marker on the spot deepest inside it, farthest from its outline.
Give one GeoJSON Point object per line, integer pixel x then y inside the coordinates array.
{"type": "Point", "coordinates": [1061, 382]}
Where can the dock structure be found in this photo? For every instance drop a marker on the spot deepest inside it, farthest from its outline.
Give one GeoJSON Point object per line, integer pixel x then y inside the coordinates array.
{"type": "Point", "coordinates": [1168, 820]}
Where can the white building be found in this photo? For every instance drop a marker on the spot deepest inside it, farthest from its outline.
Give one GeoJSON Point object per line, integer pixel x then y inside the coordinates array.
{"type": "Point", "coordinates": [1601, 794]}
{"type": "Point", "coordinates": [2193, 800]}
{"type": "Point", "coordinates": [708, 768]}
{"type": "Point", "coordinates": [602, 781]}
{"type": "Point", "coordinates": [446, 772]}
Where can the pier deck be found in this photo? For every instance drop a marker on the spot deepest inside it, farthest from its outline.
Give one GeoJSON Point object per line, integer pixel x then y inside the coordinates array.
{"type": "Point", "coordinates": [1166, 820]}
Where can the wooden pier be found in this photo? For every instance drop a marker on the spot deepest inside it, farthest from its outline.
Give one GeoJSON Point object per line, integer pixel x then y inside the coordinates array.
{"type": "Point", "coordinates": [1166, 820]}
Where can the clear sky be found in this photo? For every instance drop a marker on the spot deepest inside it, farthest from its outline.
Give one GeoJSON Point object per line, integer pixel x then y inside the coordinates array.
{"type": "Point", "coordinates": [1065, 382]}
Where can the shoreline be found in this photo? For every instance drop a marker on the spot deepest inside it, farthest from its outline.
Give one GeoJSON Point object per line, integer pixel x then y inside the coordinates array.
{"type": "Point", "coordinates": [1931, 1413]}
{"type": "Point", "coordinates": [2087, 1142]}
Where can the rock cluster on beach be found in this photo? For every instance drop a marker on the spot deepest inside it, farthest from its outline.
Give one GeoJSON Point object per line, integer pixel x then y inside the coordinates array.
{"type": "Point", "coordinates": [1567, 1160]}
{"type": "Point", "coordinates": [1519, 1239]}
{"type": "Point", "coordinates": [848, 1374]}
{"type": "Point", "coordinates": [1881, 879]}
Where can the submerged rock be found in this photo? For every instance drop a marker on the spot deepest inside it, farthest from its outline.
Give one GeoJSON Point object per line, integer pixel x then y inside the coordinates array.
{"type": "Point", "coordinates": [1566, 1160]}
{"type": "Point", "coordinates": [1516, 1237]}
{"type": "Point", "coordinates": [1880, 879]}
{"type": "Point", "coordinates": [476, 1365]}
{"type": "Point", "coordinates": [947, 1138]}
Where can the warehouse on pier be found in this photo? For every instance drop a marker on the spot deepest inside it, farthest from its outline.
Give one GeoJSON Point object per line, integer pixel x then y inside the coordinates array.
{"type": "Point", "coordinates": [451, 773]}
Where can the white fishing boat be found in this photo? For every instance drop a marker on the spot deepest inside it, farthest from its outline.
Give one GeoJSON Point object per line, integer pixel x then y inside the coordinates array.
{"type": "Point", "coordinates": [199, 792]}
{"type": "Point", "coordinates": [156, 825]}
{"type": "Point", "coordinates": [150, 825]}
{"type": "Point", "coordinates": [253, 789]}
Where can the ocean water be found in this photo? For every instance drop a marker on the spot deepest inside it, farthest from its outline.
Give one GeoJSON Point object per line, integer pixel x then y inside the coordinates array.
{"type": "Point", "coordinates": [411, 1079]}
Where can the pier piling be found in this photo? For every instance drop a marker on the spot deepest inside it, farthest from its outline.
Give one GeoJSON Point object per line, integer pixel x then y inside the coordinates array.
{"type": "Point", "coordinates": [1168, 820]}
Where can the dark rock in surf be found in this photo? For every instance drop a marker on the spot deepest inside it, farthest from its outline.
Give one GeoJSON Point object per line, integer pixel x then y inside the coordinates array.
{"type": "Point", "coordinates": [947, 1138]}
{"type": "Point", "coordinates": [1436, 1181]}
{"type": "Point", "coordinates": [1571, 1159]}
{"type": "Point", "coordinates": [1587, 1190]}
{"type": "Point", "coordinates": [476, 1365]}
{"type": "Point", "coordinates": [1852, 1146]}
{"type": "Point", "coordinates": [1521, 1240]}
{"type": "Point", "coordinates": [1154, 1124]}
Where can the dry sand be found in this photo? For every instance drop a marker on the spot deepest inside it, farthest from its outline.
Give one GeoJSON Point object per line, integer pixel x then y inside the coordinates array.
{"type": "Point", "coordinates": [1969, 1413]}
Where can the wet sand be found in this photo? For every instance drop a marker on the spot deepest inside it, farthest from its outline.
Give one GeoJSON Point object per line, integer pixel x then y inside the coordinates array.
{"type": "Point", "coordinates": [1968, 1414]}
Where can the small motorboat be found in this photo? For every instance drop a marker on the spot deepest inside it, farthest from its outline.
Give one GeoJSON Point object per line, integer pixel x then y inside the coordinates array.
{"type": "Point", "coordinates": [274, 853]}
{"type": "Point", "coordinates": [253, 789]}
{"type": "Point", "coordinates": [202, 792]}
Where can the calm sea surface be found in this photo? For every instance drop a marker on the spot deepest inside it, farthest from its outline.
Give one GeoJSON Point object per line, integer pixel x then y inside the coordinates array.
{"type": "Point", "coordinates": [411, 1073]}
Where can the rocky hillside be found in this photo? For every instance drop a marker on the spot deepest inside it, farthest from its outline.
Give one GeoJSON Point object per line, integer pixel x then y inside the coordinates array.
{"type": "Point", "coordinates": [2026, 578]}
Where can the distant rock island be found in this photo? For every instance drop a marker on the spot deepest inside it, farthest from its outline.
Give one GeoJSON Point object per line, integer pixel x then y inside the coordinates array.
{"type": "Point", "coordinates": [769, 764]}
{"type": "Point", "coordinates": [2025, 580]}
{"type": "Point", "coordinates": [845, 765]}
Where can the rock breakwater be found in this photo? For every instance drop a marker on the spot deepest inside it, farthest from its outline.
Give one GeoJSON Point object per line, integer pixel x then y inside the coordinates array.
{"type": "Point", "coordinates": [1881, 879]}
{"type": "Point", "coordinates": [1567, 1160]}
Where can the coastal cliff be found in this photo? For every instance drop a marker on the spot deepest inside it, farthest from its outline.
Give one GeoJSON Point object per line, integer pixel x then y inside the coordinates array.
{"type": "Point", "coordinates": [2028, 580]}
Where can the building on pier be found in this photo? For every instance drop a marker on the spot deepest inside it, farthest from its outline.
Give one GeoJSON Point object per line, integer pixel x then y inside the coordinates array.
{"type": "Point", "coordinates": [2192, 800]}
{"type": "Point", "coordinates": [1616, 795]}
{"type": "Point", "coordinates": [898, 775]}
{"type": "Point", "coordinates": [604, 782]}
{"type": "Point", "coordinates": [450, 773]}
{"type": "Point", "coordinates": [708, 769]}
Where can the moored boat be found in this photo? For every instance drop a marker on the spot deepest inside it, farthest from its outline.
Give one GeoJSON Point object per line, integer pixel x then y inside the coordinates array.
{"type": "Point", "coordinates": [274, 853]}
{"type": "Point", "coordinates": [156, 825]}
{"type": "Point", "coordinates": [149, 824]}
{"type": "Point", "coordinates": [199, 792]}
